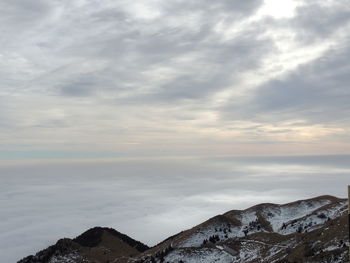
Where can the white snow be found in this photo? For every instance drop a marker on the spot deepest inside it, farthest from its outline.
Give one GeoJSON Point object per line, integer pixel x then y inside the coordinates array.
{"type": "Point", "coordinates": [247, 217]}
{"type": "Point", "coordinates": [203, 255]}
{"type": "Point", "coordinates": [196, 239]}
{"type": "Point", "coordinates": [70, 258]}
{"type": "Point", "coordinates": [315, 220]}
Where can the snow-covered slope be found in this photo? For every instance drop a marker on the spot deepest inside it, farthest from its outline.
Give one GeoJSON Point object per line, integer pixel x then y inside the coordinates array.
{"type": "Point", "coordinates": [313, 229]}
{"type": "Point", "coordinates": [297, 217]}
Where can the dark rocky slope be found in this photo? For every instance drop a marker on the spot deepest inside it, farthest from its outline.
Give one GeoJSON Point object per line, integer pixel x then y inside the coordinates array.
{"type": "Point", "coordinates": [95, 245]}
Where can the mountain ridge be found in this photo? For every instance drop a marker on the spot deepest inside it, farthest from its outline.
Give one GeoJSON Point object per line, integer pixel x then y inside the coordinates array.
{"type": "Point", "coordinates": [311, 230]}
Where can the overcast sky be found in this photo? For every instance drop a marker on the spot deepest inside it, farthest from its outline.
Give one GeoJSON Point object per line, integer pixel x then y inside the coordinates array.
{"type": "Point", "coordinates": [88, 78]}
{"type": "Point", "coordinates": [127, 113]}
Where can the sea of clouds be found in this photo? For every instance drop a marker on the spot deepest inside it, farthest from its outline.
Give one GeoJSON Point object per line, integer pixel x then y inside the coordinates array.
{"type": "Point", "coordinates": [148, 199]}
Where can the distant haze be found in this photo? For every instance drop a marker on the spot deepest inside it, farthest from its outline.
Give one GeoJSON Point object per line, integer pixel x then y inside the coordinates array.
{"type": "Point", "coordinates": [151, 116]}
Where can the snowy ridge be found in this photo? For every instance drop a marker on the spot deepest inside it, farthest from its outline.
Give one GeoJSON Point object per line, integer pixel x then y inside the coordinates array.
{"type": "Point", "coordinates": [253, 232]}
{"type": "Point", "coordinates": [277, 216]}
{"type": "Point", "coordinates": [222, 231]}
{"type": "Point", "coordinates": [282, 219]}
{"type": "Point", "coordinates": [314, 220]}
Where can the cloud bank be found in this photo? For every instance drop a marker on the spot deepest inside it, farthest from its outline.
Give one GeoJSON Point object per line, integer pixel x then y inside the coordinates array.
{"type": "Point", "coordinates": [148, 199]}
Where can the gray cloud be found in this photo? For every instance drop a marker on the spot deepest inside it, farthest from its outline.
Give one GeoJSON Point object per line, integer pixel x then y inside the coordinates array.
{"type": "Point", "coordinates": [317, 92]}
{"type": "Point", "coordinates": [127, 47]}
{"type": "Point", "coordinates": [316, 21]}
{"type": "Point", "coordinates": [187, 55]}
{"type": "Point", "coordinates": [20, 15]}
{"type": "Point", "coordinates": [85, 85]}
{"type": "Point", "coordinates": [216, 70]}
{"type": "Point", "coordinates": [226, 6]}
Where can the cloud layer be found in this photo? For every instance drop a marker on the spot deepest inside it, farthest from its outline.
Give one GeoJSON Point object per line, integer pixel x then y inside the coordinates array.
{"type": "Point", "coordinates": [148, 199]}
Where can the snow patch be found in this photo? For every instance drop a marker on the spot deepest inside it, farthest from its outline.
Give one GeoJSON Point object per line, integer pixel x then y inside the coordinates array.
{"type": "Point", "coordinates": [70, 258]}
{"type": "Point", "coordinates": [203, 255]}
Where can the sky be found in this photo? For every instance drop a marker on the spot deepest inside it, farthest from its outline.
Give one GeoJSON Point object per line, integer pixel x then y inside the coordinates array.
{"type": "Point", "coordinates": [160, 114]}
{"type": "Point", "coordinates": [92, 79]}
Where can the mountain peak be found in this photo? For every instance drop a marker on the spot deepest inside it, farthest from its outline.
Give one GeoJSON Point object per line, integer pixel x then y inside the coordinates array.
{"type": "Point", "coordinates": [94, 236]}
